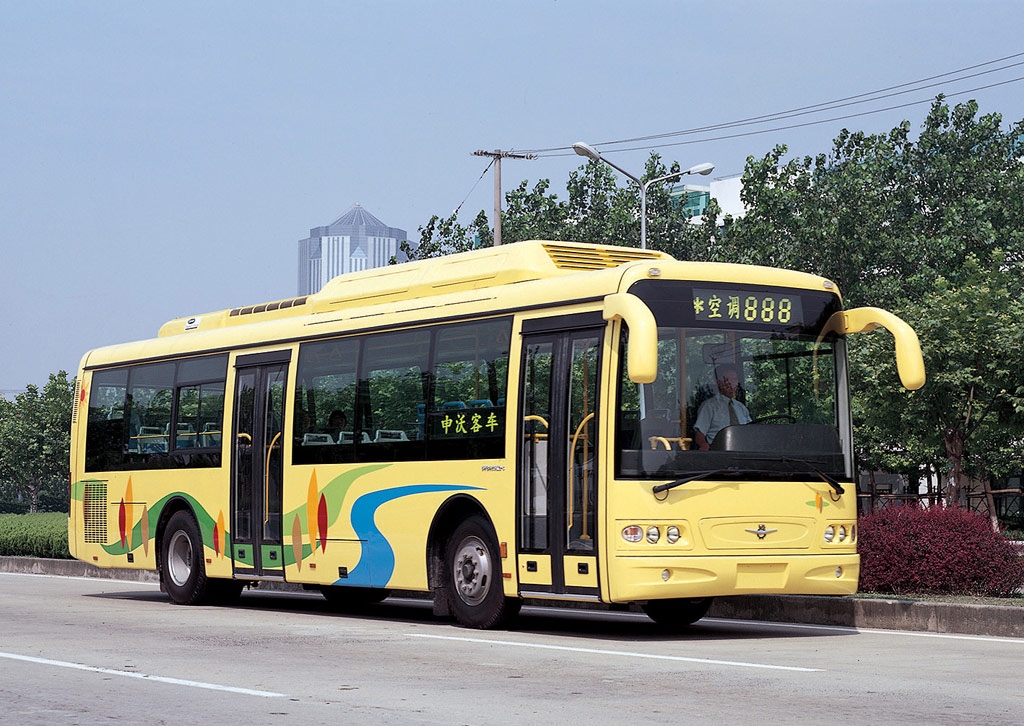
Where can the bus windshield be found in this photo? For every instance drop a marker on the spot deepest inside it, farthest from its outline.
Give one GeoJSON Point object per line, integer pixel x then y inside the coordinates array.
{"type": "Point", "coordinates": [743, 383]}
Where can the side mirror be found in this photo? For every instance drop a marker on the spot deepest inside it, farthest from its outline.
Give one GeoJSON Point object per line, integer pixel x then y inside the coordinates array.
{"type": "Point", "coordinates": [642, 355]}
{"type": "Point", "coordinates": [909, 362]}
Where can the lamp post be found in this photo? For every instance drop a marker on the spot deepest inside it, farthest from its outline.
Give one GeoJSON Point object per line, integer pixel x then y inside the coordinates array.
{"type": "Point", "coordinates": [591, 153]}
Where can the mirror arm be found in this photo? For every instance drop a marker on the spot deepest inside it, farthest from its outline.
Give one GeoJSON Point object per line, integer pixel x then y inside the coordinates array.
{"type": "Point", "coordinates": [909, 361]}
{"type": "Point", "coordinates": [642, 354]}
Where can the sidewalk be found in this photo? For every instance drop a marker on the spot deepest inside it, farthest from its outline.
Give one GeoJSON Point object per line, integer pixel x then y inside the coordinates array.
{"type": "Point", "coordinates": [930, 617]}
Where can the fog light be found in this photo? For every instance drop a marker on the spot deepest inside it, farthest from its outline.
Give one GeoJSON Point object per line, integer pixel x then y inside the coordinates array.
{"type": "Point", "coordinates": [672, 535]}
{"type": "Point", "coordinates": [633, 533]}
{"type": "Point", "coordinates": [830, 533]}
{"type": "Point", "coordinates": [653, 534]}
{"type": "Point", "coordinates": [842, 533]}
{"type": "Point", "coordinates": [665, 574]}
{"type": "Point", "coordinates": [839, 572]}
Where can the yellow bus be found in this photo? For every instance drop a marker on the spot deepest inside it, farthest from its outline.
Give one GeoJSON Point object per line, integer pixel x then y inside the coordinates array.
{"type": "Point", "coordinates": [526, 421]}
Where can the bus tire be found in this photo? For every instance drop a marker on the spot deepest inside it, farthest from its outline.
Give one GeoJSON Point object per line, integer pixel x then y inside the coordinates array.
{"type": "Point", "coordinates": [473, 577]}
{"type": "Point", "coordinates": [184, 570]}
{"type": "Point", "coordinates": [677, 613]}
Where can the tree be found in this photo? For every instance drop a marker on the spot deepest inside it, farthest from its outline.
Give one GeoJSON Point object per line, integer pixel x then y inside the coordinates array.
{"type": "Point", "coordinates": [597, 210]}
{"type": "Point", "coordinates": [445, 236]}
{"type": "Point", "coordinates": [35, 439]}
{"type": "Point", "coordinates": [970, 414]}
{"type": "Point", "coordinates": [885, 216]}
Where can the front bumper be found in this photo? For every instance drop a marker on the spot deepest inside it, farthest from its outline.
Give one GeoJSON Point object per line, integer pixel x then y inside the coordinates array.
{"type": "Point", "coordinates": [655, 578]}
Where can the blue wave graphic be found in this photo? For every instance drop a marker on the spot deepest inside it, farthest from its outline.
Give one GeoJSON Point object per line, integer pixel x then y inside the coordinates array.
{"type": "Point", "coordinates": [377, 560]}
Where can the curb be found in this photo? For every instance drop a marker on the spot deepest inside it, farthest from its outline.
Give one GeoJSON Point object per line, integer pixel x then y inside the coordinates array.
{"type": "Point", "coordinates": [913, 615]}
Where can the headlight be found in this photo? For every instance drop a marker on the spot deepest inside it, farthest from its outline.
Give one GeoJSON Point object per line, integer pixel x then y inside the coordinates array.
{"type": "Point", "coordinates": [853, 533]}
{"type": "Point", "coordinates": [830, 533]}
{"type": "Point", "coordinates": [653, 534]}
{"type": "Point", "coordinates": [842, 533]}
{"type": "Point", "coordinates": [672, 534]}
{"type": "Point", "coordinates": [633, 533]}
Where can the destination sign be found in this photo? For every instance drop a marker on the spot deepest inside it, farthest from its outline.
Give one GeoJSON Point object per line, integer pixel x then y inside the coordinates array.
{"type": "Point", "coordinates": [745, 306]}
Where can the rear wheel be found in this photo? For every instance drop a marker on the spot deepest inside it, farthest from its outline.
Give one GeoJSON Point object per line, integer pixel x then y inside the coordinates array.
{"type": "Point", "coordinates": [473, 577]}
{"type": "Point", "coordinates": [184, 571]}
{"type": "Point", "coordinates": [677, 613]}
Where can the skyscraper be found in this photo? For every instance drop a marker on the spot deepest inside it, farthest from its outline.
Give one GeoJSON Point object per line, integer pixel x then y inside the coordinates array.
{"type": "Point", "coordinates": [355, 241]}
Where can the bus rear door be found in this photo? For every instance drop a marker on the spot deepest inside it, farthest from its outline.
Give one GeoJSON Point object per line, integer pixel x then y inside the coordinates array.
{"type": "Point", "coordinates": [258, 463]}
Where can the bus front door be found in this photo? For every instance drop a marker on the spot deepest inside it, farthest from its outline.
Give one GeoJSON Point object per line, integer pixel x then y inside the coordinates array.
{"type": "Point", "coordinates": [258, 466]}
{"type": "Point", "coordinates": [557, 497]}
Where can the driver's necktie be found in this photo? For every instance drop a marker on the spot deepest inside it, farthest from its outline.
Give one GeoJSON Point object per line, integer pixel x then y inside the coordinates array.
{"type": "Point", "coordinates": [733, 419]}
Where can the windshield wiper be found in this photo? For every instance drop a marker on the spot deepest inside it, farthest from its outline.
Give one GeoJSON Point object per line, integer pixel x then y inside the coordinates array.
{"type": "Point", "coordinates": [697, 476]}
{"type": "Point", "coordinates": [707, 475]}
{"type": "Point", "coordinates": [824, 477]}
{"type": "Point", "coordinates": [809, 469]}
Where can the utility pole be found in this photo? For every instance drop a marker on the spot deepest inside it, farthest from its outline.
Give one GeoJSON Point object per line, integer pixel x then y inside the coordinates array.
{"type": "Point", "coordinates": [497, 155]}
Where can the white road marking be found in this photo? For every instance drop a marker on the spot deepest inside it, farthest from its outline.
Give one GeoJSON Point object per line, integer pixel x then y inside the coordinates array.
{"type": "Point", "coordinates": [625, 653]}
{"type": "Point", "coordinates": [143, 676]}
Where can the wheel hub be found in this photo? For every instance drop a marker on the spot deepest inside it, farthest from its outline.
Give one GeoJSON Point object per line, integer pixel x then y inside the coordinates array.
{"type": "Point", "coordinates": [179, 558]}
{"type": "Point", "coordinates": [472, 570]}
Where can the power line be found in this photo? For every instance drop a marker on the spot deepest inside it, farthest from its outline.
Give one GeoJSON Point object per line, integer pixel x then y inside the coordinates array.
{"type": "Point", "coordinates": [795, 126]}
{"type": "Point", "coordinates": [814, 108]}
{"type": "Point", "coordinates": [473, 189]}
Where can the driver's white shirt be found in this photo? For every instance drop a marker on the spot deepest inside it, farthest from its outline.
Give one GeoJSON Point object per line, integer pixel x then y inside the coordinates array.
{"type": "Point", "coordinates": [713, 415]}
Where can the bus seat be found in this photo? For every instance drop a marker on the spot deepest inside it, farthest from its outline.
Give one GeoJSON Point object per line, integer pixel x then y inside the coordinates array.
{"type": "Point", "coordinates": [317, 439]}
{"type": "Point", "coordinates": [481, 403]}
{"type": "Point", "coordinates": [453, 405]}
{"type": "Point", "coordinates": [390, 435]}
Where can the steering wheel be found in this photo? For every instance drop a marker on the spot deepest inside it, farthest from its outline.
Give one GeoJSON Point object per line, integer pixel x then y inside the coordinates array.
{"type": "Point", "coordinates": [775, 417]}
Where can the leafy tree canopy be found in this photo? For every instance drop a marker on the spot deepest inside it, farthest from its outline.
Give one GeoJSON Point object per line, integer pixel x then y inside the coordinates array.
{"type": "Point", "coordinates": [35, 438]}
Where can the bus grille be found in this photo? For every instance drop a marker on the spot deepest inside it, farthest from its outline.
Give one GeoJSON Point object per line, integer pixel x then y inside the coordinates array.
{"type": "Point", "coordinates": [94, 511]}
{"type": "Point", "coordinates": [578, 258]}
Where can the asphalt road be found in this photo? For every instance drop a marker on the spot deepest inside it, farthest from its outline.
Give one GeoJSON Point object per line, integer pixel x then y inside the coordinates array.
{"type": "Point", "coordinates": [89, 651]}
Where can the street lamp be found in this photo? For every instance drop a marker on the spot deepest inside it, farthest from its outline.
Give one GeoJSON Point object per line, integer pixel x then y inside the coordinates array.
{"type": "Point", "coordinates": [591, 153]}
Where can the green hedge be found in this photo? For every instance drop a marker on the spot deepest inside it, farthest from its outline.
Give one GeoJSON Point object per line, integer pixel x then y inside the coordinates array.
{"type": "Point", "coordinates": [35, 535]}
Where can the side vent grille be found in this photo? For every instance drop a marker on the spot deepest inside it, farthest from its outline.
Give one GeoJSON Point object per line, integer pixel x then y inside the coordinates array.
{"type": "Point", "coordinates": [77, 401]}
{"type": "Point", "coordinates": [577, 258]}
{"type": "Point", "coordinates": [94, 511]}
{"type": "Point", "coordinates": [268, 307]}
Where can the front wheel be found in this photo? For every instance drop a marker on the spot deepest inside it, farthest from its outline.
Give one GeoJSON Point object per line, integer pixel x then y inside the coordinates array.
{"type": "Point", "coordinates": [474, 577]}
{"type": "Point", "coordinates": [677, 613]}
{"type": "Point", "coordinates": [184, 571]}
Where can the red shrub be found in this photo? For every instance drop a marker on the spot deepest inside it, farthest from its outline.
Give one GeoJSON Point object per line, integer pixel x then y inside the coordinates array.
{"type": "Point", "coordinates": [936, 550]}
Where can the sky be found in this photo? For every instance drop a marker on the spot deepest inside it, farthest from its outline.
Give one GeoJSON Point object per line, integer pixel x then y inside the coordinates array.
{"type": "Point", "coordinates": [160, 160]}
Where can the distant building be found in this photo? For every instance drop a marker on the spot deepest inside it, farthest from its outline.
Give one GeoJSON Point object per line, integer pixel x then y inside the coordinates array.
{"type": "Point", "coordinates": [355, 241]}
{"type": "Point", "coordinates": [695, 197]}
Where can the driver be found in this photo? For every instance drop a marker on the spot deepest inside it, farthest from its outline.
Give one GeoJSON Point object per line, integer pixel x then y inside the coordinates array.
{"type": "Point", "coordinates": [720, 410]}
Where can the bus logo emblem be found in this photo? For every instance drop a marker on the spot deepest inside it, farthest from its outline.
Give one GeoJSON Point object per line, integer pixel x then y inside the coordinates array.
{"type": "Point", "coordinates": [761, 532]}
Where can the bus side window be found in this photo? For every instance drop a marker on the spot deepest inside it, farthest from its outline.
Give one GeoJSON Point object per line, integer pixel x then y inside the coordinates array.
{"type": "Point", "coordinates": [466, 418]}
{"type": "Point", "coordinates": [393, 378]}
{"type": "Point", "coordinates": [104, 439]}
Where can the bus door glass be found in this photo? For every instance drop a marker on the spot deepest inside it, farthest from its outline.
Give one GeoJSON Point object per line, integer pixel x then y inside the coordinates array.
{"type": "Point", "coordinates": [258, 467]}
{"type": "Point", "coordinates": [557, 462]}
